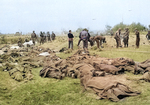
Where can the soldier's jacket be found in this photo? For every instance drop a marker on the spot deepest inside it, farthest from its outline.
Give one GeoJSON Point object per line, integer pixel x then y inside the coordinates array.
{"type": "Point", "coordinates": [48, 35]}
{"type": "Point", "coordinates": [126, 34]}
{"type": "Point", "coordinates": [117, 35]}
{"type": "Point", "coordinates": [137, 34]}
{"type": "Point", "coordinates": [41, 35]}
{"type": "Point", "coordinates": [53, 35]}
{"type": "Point", "coordinates": [33, 35]}
{"type": "Point", "coordinates": [148, 35]}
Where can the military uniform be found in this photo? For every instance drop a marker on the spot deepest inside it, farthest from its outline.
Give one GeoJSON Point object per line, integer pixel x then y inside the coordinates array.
{"type": "Point", "coordinates": [81, 38]}
{"type": "Point", "coordinates": [148, 35]}
{"type": "Point", "coordinates": [137, 38]}
{"type": "Point", "coordinates": [84, 37]}
{"type": "Point", "coordinates": [53, 36]}
{"type": "Point", "coordinates": [33, 37]}
{"type": "Point", "coordinates": [99, 40]}
{"type": "Point", "coordinates": [70, 39]}
{"type": "Point", "coordinates": [20, 42]}
{"type": "Point", "coordinates": [48, 36]}
{"type": "Point", "coordinates": [126, 37]}
{"type": "Point", "coordinates": [117, 37]}
{"type": "Point", "coordinates": [44, 38]}
{"type": "Point", "coordinates": [41, 38]}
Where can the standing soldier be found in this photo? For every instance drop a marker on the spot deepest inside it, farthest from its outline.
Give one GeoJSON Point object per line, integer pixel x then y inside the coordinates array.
{"type": "Point", "coordinates": [117, 37]}
{"type": "Point", "coordinates": [87, 37]}
{"type": "Point", "coordinates": [137, 38]}
{"type": "Point", "coordinates": [84, 38]}
{"type": "Point", "coordinates": [70, 38]}
{"type": "Point", "coordinates": [33, 37]}
{"type": "Point", "coordinates": [53, 36]}
{"type": "Point", "coordinates": [44, 38]}
{"type": "Point", "coordinates": [148, 35]}
{"type": "Point", "coordinates": [41, 38]}
{"type": "Point", "coordinates": [48, 36]}
{"type": "Point", "coordinates": [126, 37]}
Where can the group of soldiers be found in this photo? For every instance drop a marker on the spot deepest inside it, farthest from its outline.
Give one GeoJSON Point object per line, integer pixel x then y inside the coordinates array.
{"type": "Point", "coordinates": [126, 37]}
{"type": "Point", "coordinates": [85, 37]}
{"type": "Point", "coordinates": [117, 36]}
{"type": "Point", "coordinates": [43, 37]}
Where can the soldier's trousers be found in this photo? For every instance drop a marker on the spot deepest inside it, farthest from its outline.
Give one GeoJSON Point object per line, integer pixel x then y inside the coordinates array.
{"type": "Point", "coordinates": [33, 40]}
{"type": "Point", "coordinates": [85, 43]}
{"type": "Point", "coordinates": [125, 40]}
{"type": "Point", "coordinates": [118, 42]}
{"type": "Point", "coordinates": [137, 42]}
{"type": "Point", "coordinates": [42, 40]}
{"type": "Point", "coordinates": [70, 44]}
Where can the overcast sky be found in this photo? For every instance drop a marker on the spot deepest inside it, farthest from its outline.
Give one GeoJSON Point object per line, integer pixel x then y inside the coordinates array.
{"type": "Point", "coordinates": [58, 15]}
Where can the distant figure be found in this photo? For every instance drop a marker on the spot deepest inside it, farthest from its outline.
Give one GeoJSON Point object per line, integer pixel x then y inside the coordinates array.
{"type": "Point", "coordinates": [126, 37]}
{"type": "Point", "coordinates": [84, 38]}
{"type": "Point", "coordinates": [26, 39]}
{"type": "Point", "coordinates": [137, 38]}
{"type": "Point", "coordinates": [148, 35]}
{"type": "Point", "coordinates": [81, 38]}
{"type": "Point", "coordinates": [48, 36]}
{"type": "Point", "coordinates": [33, 37]}
{"type": "Point", "coordinates": [53, 36]}
{"type": "Point", "coordinates": [117, 37]}
{"type": "Point", "coordinates": [99, 40]}
{"type": "Point", "coordinates": [41, 38]}
{"type": "Point", "coordinates": [44, 38]}
{"type": "Point", "coordinates": [20, 42]}
{"type": "Point", "coordinates": [70, 39]}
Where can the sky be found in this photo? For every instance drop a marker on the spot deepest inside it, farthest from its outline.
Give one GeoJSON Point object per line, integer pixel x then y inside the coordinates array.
{"type": "Point", "coordinates": [63, 15]}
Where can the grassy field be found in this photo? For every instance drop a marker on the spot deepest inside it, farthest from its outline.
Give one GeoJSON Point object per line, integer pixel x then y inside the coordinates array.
{"type": "Point", "coordinates": [49, 91]}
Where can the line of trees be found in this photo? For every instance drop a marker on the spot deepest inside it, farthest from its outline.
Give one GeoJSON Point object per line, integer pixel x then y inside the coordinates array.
{"type": "Point", "coordinates": [131, 27]}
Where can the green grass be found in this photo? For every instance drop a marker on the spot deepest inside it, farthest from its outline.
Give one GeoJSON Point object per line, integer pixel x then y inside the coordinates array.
{"type": "Point", "coordinates": [49, 91]}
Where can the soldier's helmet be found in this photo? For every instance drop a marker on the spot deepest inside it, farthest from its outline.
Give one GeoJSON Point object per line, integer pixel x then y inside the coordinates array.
{"type": "Point", "coordinates": [33, 31]}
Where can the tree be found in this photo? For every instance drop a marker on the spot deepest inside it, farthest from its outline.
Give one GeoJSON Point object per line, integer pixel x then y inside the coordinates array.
{"type": "Point", "coordinates": [120, 25]}
{"type": "Point", "coordinates": [138, 25]}
{"type": "Point", "coordinates": [108, 29]}
{"type": "Point", "coordinates": [79, 30]}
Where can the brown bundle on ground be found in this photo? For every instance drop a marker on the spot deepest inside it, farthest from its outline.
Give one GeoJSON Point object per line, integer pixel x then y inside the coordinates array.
{"type": "Point", "coordinates": [141, 68]}
{"type": "Point", "coordinates": [51, 72]}
{"type": "Point", "coordinates": [107, 68]}
{"type": "Point", "coordinates": [107, 87]}
{"type": "Point", "coordinates": [89, 69]}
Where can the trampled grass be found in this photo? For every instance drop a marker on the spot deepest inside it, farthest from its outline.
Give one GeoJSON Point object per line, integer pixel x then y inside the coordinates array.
{"type": "Point", "coordinates": [49, 91]}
